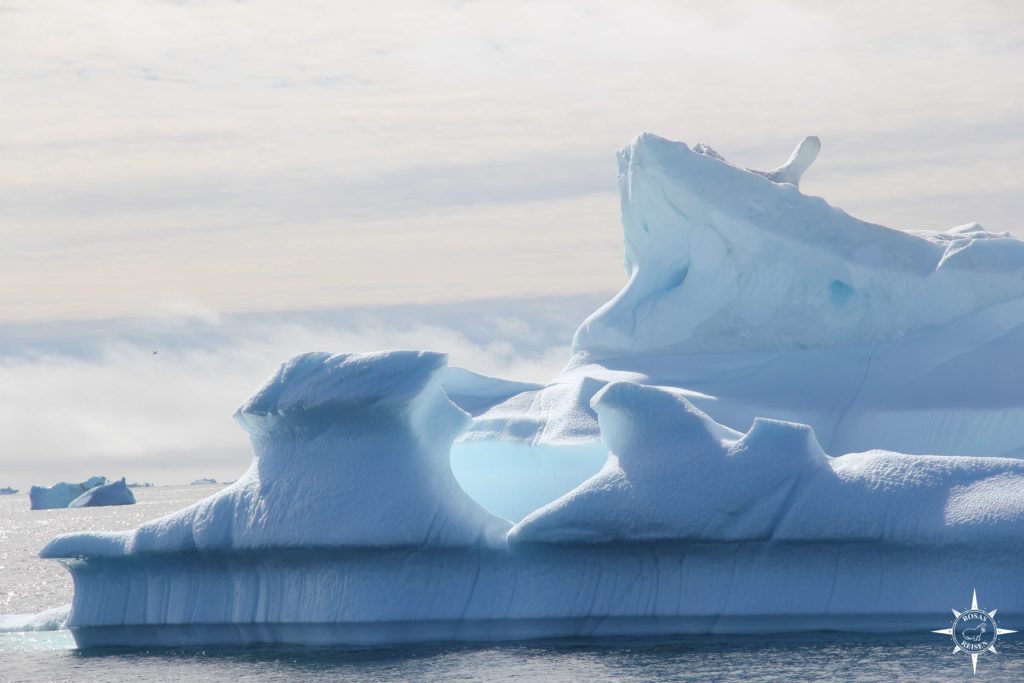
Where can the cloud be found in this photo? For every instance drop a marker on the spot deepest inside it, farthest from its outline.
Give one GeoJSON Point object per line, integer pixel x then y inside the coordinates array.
{"type": "Point", "coordinates": [220, 151]}
{"type": "Point", "coordinates": [92, 398]}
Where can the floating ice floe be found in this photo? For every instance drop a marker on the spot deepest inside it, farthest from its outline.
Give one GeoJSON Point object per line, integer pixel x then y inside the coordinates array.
{"type": "Point", "coordinates": [53, 619]}
{"type": "Point", "coordinates": [760, 332]}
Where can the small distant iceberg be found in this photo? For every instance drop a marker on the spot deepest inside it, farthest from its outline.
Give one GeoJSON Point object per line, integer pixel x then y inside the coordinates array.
{"type": "Point", "coordinates": [204, 482]}
{"type": "Point", "coordinates": [61, 494]}
{"type": "Point", "coordinates": [8, 491]}
{"type": "Point", "coordinates": [141, 485]}
{"type": "Point", "coordinates": [116, 493]}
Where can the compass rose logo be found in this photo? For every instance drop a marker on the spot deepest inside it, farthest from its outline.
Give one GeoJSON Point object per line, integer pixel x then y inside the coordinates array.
{"type": "Point", "coordinates": [974, 631]}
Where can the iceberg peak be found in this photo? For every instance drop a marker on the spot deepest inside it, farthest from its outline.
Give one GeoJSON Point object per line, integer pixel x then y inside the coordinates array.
{"type": "Point", "coordinates": [720, 261]}
{"type": "Point", "coordinates": [799, 161]}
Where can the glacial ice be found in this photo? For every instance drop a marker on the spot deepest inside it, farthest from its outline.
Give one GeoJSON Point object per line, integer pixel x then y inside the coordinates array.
{"type": "Point", "coordinates": [61, 494]}
{"type": "Point", "coordinates": [727, 427]}
{"type": "Point", "coordinates": [351, 450]}
{"type": "Point", "coordinates": [691, 479]}
{"type": "Point", "coordinates": [760, 301]}
{"type": "Point", "coordinates": [114, 493]}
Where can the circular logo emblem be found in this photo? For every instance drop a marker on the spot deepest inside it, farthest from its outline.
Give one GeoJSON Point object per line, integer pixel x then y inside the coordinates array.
{"type": "Point", "coordinates": [974, 631]}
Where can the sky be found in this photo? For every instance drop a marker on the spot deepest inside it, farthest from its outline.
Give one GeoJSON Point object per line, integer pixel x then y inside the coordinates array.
{"type": "Point", "coordinates": [235, 182]}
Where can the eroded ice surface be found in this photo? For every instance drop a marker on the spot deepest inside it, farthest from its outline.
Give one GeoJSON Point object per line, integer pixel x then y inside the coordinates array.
{"type": "Point", "coordinates": [674, 474]}
{"type": "Point", "coordinates": [351, 450]}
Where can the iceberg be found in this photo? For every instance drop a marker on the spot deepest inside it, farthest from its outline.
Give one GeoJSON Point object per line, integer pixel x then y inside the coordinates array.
{"type": "Point", "coordinates": [761, 301]}
{"type": "Point", "coordinates": [204, 482]}
{"type": "Point", "coordinates": [694, 480]}
{"type": "Point", "coordinates": [61, 494]}
{"type": "Point", "coordinates": [116, 493]}
{"type": "Point", "coordinates": [686, 473]}
{"type": "Point", "coordinates": [690, 527]}
{"type": "Point", "coordinates": [8, 491]}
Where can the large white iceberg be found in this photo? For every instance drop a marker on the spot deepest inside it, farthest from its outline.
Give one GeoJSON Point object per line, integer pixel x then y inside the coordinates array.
{"type": "Point", "coordinates": [705, 400]}
{"type": "Point", "coordinates": [349, 527]}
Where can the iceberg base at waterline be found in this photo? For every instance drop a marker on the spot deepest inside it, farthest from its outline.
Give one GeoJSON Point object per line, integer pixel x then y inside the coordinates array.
{"type": "Point", "coordinates": [369, 597]}
{"type": "Point", "coordinates": [690, 527]}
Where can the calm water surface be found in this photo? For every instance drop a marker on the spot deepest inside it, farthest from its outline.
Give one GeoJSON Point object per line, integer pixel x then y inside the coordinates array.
{"type": "Point", "coordinates": [31, 585]}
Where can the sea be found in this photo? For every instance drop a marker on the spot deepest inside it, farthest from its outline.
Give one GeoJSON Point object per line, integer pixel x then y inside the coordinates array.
{"type": "Point", "coordinates": [29, 585]}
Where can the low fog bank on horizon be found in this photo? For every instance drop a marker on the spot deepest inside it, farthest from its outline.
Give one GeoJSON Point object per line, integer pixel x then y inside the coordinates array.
{"type": "Point", "coordinates": [90, 397]}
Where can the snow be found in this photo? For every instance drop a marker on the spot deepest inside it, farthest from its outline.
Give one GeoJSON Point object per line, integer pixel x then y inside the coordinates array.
{"type": "Point", "coordinates": [61, 494]}
{"type": "Point", "coordinates": [675, 474]}
{"type": "Point", "coordinates": [115, 493]}
{"type": "Point", "coordinates": [785, 421]}
{"type": "Point", "coordinates": [362, 440]}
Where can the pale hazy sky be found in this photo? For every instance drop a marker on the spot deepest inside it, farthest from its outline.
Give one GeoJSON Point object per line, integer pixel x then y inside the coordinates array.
{"type": "Point", "coordinates": [232, 156]}
{"type": "Point", "coordinates": [172, 164]}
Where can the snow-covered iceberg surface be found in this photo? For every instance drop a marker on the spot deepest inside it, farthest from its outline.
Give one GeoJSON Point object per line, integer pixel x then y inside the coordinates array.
{"type": "Point", "coordinates": [674, 474]}
{"type": "Point", "coordinates": [761, 301]}
{"type": "Point", "coordinates": [61, 494]}
{"type": "Point", "coordinates": [350, 528]}
{"type": "Point", "coordinates": [115, 493]}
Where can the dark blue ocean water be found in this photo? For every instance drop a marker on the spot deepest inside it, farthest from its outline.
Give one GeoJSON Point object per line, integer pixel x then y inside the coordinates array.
{"type": "Point", "coordinates": [816, 657]}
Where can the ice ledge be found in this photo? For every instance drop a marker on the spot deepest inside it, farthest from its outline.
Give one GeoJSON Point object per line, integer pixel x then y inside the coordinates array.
{"type": "Point", "coordinates": [675, 475]}
{"type": "Point", "coordinates": [318, 391]}
{"type": "Point", "coordinates": [350, 450]}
